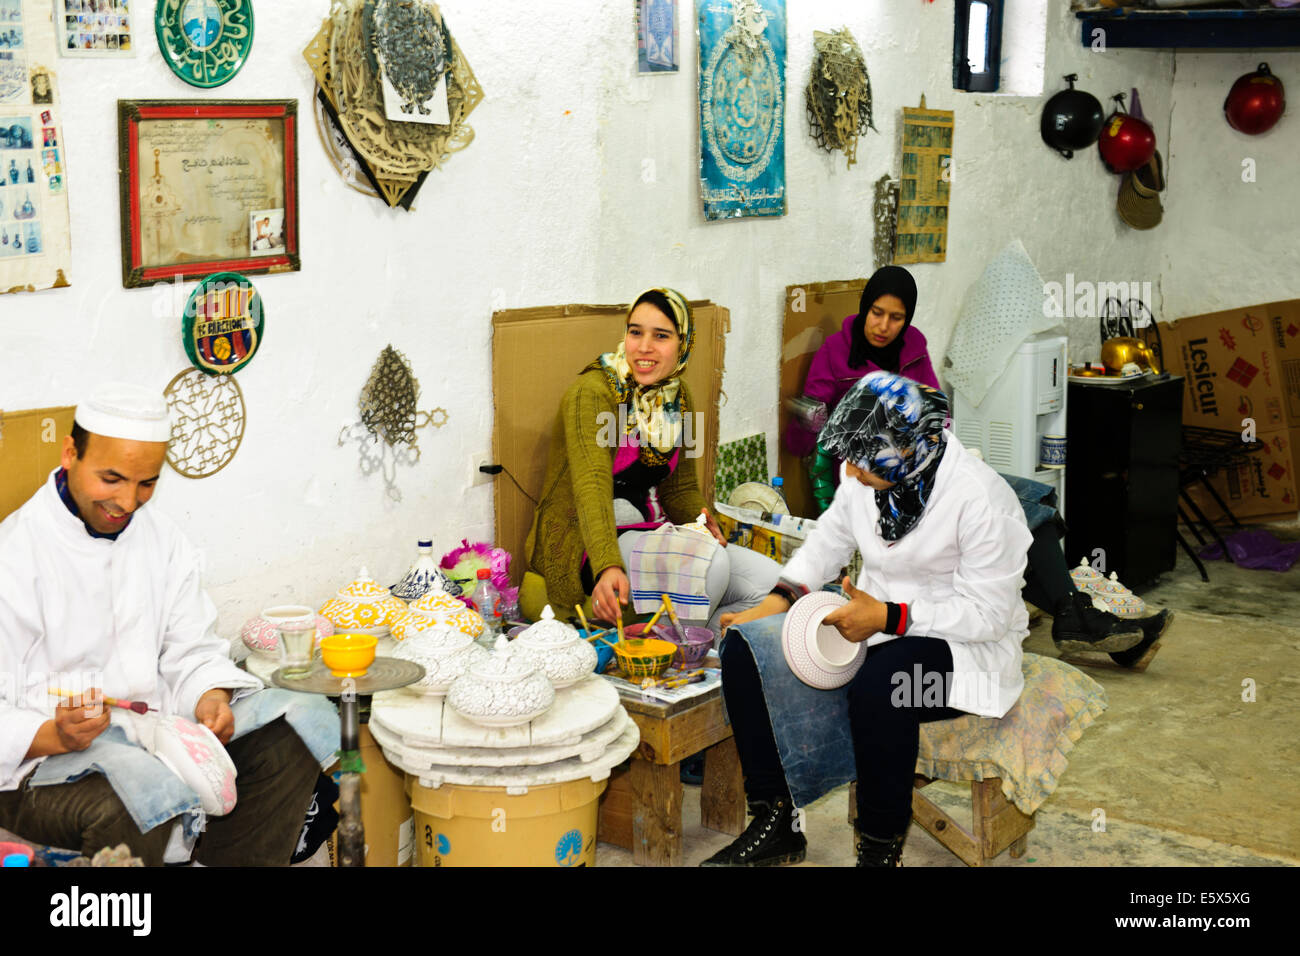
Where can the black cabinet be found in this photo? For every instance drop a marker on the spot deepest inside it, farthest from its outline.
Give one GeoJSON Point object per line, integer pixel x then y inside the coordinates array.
{"type": "Point", "coordinates": [1121, 476]}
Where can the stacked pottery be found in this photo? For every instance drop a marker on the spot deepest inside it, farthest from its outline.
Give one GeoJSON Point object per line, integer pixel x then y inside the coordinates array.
{"type": "Point", "coordinates": [436, 608]}
{"type": "Point", "coordinates": [444, 653]}
{"type": "Point", "coordinates": [504, 690]}
{"type": "Point", "coordinates": [261, 634]}
{"type": "Point", "coordinates": [363, 607]}
{"type": "Point", "coordinates": [555, 649]}
{"type": "Point", "coordinates": [1107, 593]}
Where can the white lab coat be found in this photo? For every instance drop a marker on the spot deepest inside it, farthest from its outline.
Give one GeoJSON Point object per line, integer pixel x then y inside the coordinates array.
{"type": "Point", "coordinates": [131, 615]}
{"type": "Point", "coordinates": [959, 570]}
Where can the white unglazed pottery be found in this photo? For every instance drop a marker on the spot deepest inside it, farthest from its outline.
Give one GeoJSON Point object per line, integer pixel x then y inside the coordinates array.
{"type": "Point", "coordinates": [817, 653]}
{"type": "Point", "coordinates": [502, 691]}
{"type": "Point", "coordinates": [261, 634]}
{"type": "Point", "coordinates": [556, 650]}
{"type": "Point", "coordinates": [363, 607]}
{"type": "Point", "coordinates": [444, 653]}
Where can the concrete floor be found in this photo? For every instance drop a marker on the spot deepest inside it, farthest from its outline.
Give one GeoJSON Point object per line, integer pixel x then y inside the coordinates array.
{"type": "Point", "coordinates": [1183, 769]}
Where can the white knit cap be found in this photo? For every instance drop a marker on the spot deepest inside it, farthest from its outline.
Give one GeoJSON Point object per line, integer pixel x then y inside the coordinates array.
{"type": "Point", "coordinates": [122, 410]}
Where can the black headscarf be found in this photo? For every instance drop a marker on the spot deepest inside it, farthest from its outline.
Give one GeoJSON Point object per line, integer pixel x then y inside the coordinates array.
{"type": "Point", "coordinates": [889, 280]}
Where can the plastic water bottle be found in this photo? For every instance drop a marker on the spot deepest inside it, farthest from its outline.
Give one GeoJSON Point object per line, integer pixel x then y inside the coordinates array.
{"type": "Point", "coordinates": [778, 485]}
{"type": "Point", "coordinates": [488, 602]}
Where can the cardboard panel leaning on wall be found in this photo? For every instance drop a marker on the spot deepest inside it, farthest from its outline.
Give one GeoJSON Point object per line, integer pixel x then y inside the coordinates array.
{"type": "Point", "coordinates": [536, 355]}
{"type": "Point", "coordinates": [31, 443]}
{"type": "Point", "coordinates": [813, 312]}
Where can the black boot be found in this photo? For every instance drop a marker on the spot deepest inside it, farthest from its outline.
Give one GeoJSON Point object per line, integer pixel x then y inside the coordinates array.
{"type": "Point", "coordinates": [1078, 626]}
{"type": "Point", "coordinates": [1152, 629]}
{"type": "Point", "coordinates": [769, 840]}
{"type": "Point", "coordinates": [876, 852]}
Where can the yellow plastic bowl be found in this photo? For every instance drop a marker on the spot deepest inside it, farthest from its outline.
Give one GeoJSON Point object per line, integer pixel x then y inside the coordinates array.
{"type": "Point", "coordinates": [648, 657]}
{"type": "Point", "coordinates": [348, 655]}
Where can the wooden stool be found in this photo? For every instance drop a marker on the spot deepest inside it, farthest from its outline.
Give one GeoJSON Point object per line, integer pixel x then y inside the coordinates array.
{"type": "Point", "coordinates": [641, 809]}
{"type": "Point", "coordinates": [996, 824]}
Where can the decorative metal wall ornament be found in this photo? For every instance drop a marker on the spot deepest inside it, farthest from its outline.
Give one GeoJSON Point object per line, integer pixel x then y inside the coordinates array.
{"type": "Point", "coordinates": [885, 215]}
{"type": "Point", "coordinates": [338, 150]}
{"type": "Point", "coordinates": [385, 436]}
{"type": "Point", "coordinates": [742, 106]}
{"type": "Point", "coordinates": [397, 156]}
{"type": "Point", "coordinates": [839, 93]}
{"type": "Point", "coordinates": [223, 325]}
{"type": "Point", "coordinates": [205, 42]}
{"type": "Point", "coordinates": [208, 419]}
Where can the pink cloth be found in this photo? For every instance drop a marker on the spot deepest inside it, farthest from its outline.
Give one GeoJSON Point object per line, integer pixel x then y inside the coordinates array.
{"type": "Point", "coordinates": [830, 376]}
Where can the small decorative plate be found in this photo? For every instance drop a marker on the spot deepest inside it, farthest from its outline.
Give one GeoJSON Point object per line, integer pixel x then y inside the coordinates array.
{"type": "Point", "coordinates": [205, 42]}
{"type": "Point", "coordinates": [757, 496]}
{"type": "Point", "coordinates": [816, 652]}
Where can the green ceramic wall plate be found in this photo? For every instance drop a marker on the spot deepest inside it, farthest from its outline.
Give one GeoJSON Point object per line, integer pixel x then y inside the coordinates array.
{"type": "Point", "coordinates": [205, 42]}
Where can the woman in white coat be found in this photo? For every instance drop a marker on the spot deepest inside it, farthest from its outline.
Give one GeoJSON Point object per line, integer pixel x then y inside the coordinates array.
{"type": "Point", "coordinates": [943, 542]}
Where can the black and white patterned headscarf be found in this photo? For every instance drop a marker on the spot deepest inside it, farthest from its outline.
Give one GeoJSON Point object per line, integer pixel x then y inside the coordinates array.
{"type": "Point", "coordinates": [892, 427]}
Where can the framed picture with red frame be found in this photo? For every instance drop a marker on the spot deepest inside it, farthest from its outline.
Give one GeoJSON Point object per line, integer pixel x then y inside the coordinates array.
{"type": "Point", "coordinates": [192, 174]}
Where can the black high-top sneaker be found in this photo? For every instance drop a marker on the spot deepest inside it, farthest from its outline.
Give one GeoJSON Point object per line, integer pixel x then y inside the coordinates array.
{"type": "Point", "coordinates": [1078, 626]}
{"type": "Point", "coordinates": [769, 840]}
{"type": "Point", "coordinates": [1153, 628]}
{"type": "Point", "coordinates": [875, 852]}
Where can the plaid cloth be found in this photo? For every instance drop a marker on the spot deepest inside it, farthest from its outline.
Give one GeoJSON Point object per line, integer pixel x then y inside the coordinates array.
{"type": "Point", "coordinates": [673, 562]}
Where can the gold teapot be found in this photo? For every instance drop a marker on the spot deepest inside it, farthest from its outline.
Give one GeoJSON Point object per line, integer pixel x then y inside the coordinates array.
{"type": "Point", "coordinates": [1124, 350]}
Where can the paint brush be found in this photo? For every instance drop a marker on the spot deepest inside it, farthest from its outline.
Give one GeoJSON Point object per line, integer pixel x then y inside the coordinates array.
{"type": "Point", "coordinates": [654, 619]}
{"type": "Point", "coordinates": [583, 618]}
{"type": "Point", "coordinates": [597, 635]}
{"type": "Point", "coordinates": [138, 706]}
{"type": "Point", "coordinates": [672, 616]}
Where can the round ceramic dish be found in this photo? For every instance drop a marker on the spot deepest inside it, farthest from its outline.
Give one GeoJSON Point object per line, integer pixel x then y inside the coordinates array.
{"type": "Point", "coordinates": [501, 691]}
{"type": "Point", "coordinates": [816, 652]}
{"type": "Point", "coordinates": [757, 496]}
{"type": "Point", "coordinates": [261, 635]}
{"type": "Point", "coordinates": [556, 650]}
{"type": "Point", "coordinates": [205, 42]}
{"type": "Point", "coordinates": [444, 653]}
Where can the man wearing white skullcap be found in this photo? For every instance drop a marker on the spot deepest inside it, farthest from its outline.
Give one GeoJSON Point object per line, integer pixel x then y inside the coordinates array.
{"type": "Point", "coordinates": [102, 598]}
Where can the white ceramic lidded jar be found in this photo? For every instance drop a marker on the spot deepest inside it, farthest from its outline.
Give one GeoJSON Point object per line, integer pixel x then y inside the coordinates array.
{"type": "Point", "coordinates": [556, 650]}
{"type": "Point", "coordinates": [445, 654]}
{"type": "Point", "coordinates": [501, 691]}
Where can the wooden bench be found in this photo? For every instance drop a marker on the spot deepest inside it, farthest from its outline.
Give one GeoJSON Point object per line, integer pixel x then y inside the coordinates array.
{"type": "Point", "coordinates": [996, 824]}
{"type": "Point", "coordinates": [641, 809]}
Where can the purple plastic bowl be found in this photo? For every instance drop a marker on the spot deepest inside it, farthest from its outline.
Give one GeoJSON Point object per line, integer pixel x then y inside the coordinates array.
{"type": "Point", "coordinates": [692, 651]}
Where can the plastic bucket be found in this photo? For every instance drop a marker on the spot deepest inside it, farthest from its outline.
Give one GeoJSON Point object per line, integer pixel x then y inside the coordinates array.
{"type": "Point", "coordinates": [550, 825]}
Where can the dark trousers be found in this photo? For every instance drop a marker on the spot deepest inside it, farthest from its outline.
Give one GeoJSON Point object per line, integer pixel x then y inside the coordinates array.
{"type": "Point", "coordinates": [1047, 578]}
{"type": "Point", "coordinates": [277, 775]}
{"type": "Point", "coordinates": [885, 724]}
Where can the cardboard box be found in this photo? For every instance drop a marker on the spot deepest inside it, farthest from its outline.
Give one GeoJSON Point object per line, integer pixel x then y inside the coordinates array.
{"type": "Point", "coordinates": [1239, 364]}
{"type": "Point", "coordinates": [1259, 484]}
{"type": "Point", "coordinates": [31, 443]}
{"type": "Point", "coordinates": [536, 355]}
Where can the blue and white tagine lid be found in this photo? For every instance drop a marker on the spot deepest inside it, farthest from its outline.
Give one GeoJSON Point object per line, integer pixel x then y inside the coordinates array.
{"type": "Point", "coordinates": [424, 576]}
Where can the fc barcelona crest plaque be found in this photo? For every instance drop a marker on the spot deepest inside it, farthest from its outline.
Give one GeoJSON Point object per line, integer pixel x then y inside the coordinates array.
{"type": "Point", "coordinates": [223, 324]}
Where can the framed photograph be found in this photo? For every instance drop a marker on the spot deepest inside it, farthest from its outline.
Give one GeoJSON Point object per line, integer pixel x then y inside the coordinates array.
{"type": "Point", "coordinates": [94, 27]}
{"type": "Point", "coordinates": [656, 36]}
{"type": "Point", "coordinates": [194, 174]}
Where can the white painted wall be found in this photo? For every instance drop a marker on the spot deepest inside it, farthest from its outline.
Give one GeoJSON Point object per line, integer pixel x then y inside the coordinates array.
{"type": "Point", "coordinates": [547, 206]}
{"type": "Point", "coordinates": [1238, 243]}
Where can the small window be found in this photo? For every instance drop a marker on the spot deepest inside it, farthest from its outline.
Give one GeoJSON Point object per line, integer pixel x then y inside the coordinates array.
{"type": "Point", "coordinates": [976, 45]}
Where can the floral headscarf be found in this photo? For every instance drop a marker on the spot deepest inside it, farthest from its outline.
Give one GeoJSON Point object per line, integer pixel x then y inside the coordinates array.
{"type": "Point", "coordinates": [892, 427]}
{"type": "Point", "coordinates": [656, 409]}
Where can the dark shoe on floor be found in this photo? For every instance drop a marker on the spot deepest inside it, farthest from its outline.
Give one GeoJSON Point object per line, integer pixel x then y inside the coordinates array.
{"type": "Point", "coordinates": [1078, 626]}
{"type": "Point", "coordinates": [769, 840]}
{"type": "Point", "coordinates": [875, 852]}
{"type": "Point", "coordinates": [1153, 628]}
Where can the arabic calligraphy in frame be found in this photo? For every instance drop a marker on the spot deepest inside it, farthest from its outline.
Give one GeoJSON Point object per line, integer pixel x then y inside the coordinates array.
{"type": "Point", "coordinates": [742, 107]}
{"type": "Point", "coordinates": [922, 230]}
{"type": "Point", "coordinates": [385, 435]}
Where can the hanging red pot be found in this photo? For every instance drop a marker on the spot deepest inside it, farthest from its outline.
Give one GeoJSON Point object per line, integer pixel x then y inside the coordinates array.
{"type": "Point", "coordinates": [1255, 102]}
{"type": "Point", "coordinates": [1127, 143]}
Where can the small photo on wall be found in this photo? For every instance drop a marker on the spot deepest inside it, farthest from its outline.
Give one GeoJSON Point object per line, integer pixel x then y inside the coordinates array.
{"type": "Point", "coordinates": [266, 232]}
{"type": "Point", "coordinates": [657, 36]}
{"type": "Point", "coordinates": [96, 28]}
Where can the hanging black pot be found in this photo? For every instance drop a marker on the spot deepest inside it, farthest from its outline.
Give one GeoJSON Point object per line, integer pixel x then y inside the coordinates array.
{"type": "Point", "coordinates": [1072, 119]}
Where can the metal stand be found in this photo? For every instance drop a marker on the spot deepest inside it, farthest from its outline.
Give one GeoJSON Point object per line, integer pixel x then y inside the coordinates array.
{"type": "Point", "coordinates": [385, 673]}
